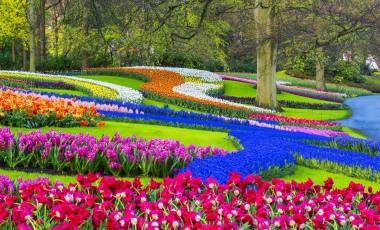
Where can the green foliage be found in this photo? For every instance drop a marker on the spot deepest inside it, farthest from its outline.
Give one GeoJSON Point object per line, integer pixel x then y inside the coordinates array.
{"type": "Point", "coordinates": [277, 172]}
{"type": "Point", "coordinates": [349, 71]}
{"type": "Point", "coordinates": [247, 65]}
{"type": "Point", "coordinates": [191, 60]}
{"type": "Point", "coordinates": [6, 61]}
{"type": "Point", "coordinates": [59, 63]}
{"type": "Point", "coordinates": [19, 118]}
{"type": "Point", "coordinates": [179, 59]}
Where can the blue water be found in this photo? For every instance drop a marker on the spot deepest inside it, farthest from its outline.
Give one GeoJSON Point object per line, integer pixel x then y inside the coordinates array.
{"type": "Point", "coordinates": [365, 115]}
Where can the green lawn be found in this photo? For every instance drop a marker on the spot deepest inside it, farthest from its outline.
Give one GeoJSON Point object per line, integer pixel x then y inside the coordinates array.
{"type": "Point", "coordinates": [186, 136]}
{"type": "Point", "coordinates": [123, 81]}
{"type": "Point", "coordinates": [61, 91]}
{"type": "Point", "coordinates": [315, 114]}
{"type": "Point", "coordinates": [319, 176]}
{"type": "Point", "coordinates": [241, 89]}
{"type": "Point", "coordinates": [281, 75]}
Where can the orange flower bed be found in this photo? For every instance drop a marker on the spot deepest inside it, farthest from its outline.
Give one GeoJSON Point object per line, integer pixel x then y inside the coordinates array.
{"type": "Point", "coordinates": [162, 83]}
{"type": "Point", "coordinates": [34, 104]}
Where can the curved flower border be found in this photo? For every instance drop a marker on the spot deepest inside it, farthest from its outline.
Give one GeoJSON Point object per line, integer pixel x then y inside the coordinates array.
{"type": "Point", "coordinates": [124, 93]}
{"type": "Point", "coordinates": [203, 75]}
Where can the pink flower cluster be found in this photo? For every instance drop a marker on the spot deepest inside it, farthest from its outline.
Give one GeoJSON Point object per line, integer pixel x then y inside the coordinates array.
{"type": "Point", "coordinates": [184, 202]}
{"type": "Point", "coordinates": [319, 132]}
{"type": "Point", "coordinates": [302, 121]}
{"type": "Point", "coordinates": [335, 94]}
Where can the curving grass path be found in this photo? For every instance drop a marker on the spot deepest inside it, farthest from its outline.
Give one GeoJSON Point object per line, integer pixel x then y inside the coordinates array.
{"type": "Point", "coordinates": [123, 81]}
{"type": "Point", "coordinates": [241, 89]}
{"type": "Point", "coordinates": [148, 131]}
{"type": "Point", "coordinates": [319, 176]}
{"type": "Point", "coordinates": [316, 114]}
{"type": "Point", "coordinates": [61, 91]}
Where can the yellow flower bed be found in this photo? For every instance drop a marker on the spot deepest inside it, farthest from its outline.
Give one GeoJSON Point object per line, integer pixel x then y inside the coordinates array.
{"type": "Point", "coordinates": [96, 90]}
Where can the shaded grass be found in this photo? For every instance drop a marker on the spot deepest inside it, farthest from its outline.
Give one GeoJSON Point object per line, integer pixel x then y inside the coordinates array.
{"type": "Point", "coordinates": [162, 104]}
{"type": "Point", "coordinates": [319, 176]}
{"type": "Point", "coordinates": [186, 136]}
{"type": "Point", "coordinates": [61, 91]}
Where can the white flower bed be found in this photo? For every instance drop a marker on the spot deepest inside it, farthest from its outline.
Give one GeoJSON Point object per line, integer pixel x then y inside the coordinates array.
{"type": "Point", "coordinates": [203, 75]}
{"type": "Point", "coordinates": [199, 90]}
{"type": "Point", "coordinates": [124, 93]}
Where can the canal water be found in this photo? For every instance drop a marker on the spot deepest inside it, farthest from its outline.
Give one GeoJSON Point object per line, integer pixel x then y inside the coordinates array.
{"type": "Point", "coordinates": [365, 115]}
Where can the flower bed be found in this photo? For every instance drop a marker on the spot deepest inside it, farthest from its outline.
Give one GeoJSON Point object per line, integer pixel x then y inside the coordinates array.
{"type": "Point", "coordinates": [97, 88]}
{"type": "Point", "coordinates": [202, 75]}
{"type": "Point", "coordinates": [184, 202]}
{"type": "Point", "coordinates": [35, 83]}
{"type": "Point", "coordinates": [25, 110]}
{"type": "Point", "coordinates": [289, 104]}
{"type": "Point", "coordinates": [84, 153]}
{"type": "Point", "coordinates": [301, 91]}
{"type": "Point", "coordinates": [161, 87]}
{"type": "Point", "coordinates": [301, 121]}
{"type": "Point", "coordinates": [312, 95]}
{"type": "Point", "coordinates": [199, 90]}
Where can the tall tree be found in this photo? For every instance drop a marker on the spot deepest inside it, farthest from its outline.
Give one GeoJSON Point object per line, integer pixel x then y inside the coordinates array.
{"type": "Point", "coordinates": [32, 36]}
{"type": "Point", "coordinates": [85, 31]}
{"type": "Point", "coordinates": [41, 30]}
{"type": "Point", "coordinates": [266, 52]}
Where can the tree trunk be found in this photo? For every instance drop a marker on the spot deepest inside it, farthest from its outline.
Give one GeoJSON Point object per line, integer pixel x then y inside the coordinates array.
{"type": "Point", "coordinates": [266, 57]}
{"type": "Point", "coordinates": [42, 36]}
{"type": "Point", "coordinates": [24, 58]}
{"type": "Point", "coordinates": [85, 29]}
{"type": "Point", "coordinates": [32, 45]}
{"type": "Point", "coordinates": [56, 38]}
{"type": "Point", "coordinates": [14, 53]}
{"type": "Point", "coordinates": [320, 70]}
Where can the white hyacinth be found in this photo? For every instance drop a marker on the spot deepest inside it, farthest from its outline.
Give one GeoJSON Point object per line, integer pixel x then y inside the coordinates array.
{"type": "Point", "coordinates": [199, 90]}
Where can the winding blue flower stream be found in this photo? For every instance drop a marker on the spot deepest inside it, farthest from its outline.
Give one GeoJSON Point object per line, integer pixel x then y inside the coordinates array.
{"type": "Point", "coordinates": [365, 115]}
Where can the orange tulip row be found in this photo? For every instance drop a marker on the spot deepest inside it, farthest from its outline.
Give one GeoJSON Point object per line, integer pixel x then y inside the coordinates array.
{"type": "Point", "coordinates": [162, 83]}
{"type": "Point", "coordinates": [37, 105]}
